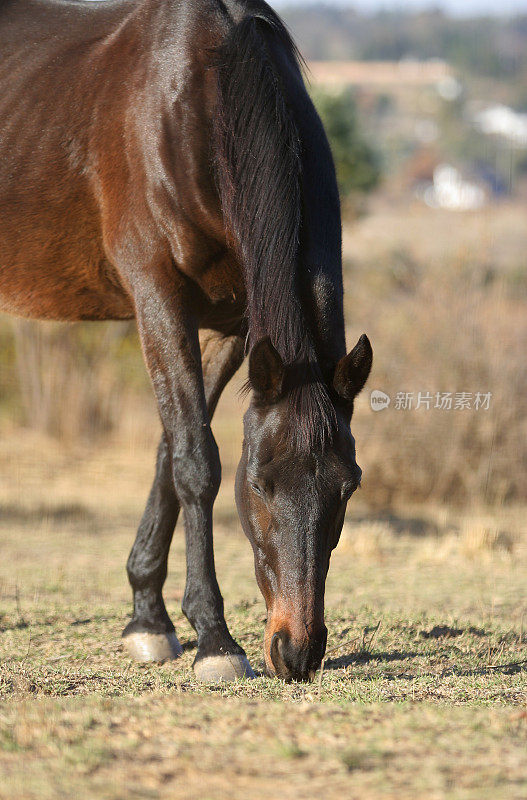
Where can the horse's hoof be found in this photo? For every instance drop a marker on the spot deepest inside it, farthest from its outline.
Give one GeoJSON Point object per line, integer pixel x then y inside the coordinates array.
{"type": "Point", "coordinates": [144, 646]}
{"type": "Point", "coordinates": [212, 669]}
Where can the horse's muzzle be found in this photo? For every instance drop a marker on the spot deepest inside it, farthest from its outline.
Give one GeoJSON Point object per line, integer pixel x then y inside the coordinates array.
{"type": "Point", "coordinates": [293, 662]}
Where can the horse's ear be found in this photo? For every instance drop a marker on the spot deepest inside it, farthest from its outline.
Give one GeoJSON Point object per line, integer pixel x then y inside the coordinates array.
{"type": "Point", "coordinates": [266, 371]}
{"type": "Point", "coordinates": [351, 372]}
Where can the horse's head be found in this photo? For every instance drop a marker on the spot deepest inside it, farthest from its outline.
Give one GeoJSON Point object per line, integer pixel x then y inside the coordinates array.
{"type": "Point", "coordinates": [291, 503]}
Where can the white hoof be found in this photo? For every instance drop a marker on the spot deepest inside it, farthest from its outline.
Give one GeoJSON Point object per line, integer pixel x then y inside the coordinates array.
{"type": "Point", "coordinates": [143, 646]}
{"type": "Point", "coordinates": [222, 668]}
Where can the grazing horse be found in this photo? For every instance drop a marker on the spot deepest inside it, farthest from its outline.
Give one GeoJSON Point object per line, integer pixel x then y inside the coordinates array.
{"type": "Point", "coordinates": [161, 160]}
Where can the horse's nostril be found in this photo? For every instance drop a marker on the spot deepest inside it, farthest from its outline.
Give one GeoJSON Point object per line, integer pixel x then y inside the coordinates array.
{"type": "Point", "coordinates": [277, 654]}
{"type": "Point", "coordinates": [296, 662]}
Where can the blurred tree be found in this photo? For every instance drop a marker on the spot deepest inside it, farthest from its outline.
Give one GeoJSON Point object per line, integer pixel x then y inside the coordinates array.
{"type": "Point", "coordinates": [356, 161]}
{"type": "Point", "coordinates": [479, 46]}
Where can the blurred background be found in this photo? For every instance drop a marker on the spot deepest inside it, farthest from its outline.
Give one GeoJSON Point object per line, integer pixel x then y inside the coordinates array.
{"type": "Point", "coordinates": [426, 112]}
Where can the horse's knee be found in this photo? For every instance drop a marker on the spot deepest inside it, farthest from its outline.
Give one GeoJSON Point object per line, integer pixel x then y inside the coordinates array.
{"type": "Point", "coordinates": [145, 571]}
{"type": "Point", "coordinates": [197, 475]}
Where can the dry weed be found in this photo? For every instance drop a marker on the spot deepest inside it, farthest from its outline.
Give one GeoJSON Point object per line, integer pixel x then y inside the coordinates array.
{"type": "Point", "coordinates": [367, 540]}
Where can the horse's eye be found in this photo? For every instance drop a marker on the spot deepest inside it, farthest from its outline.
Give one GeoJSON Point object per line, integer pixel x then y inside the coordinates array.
{"type": "Point", "coordinates": [257, 489]}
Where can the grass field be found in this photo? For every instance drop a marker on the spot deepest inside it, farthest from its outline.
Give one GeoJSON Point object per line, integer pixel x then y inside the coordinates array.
{"type": "Point", "coordinates": [423, 693]}
{"type": "Point", "coordinates": [424, 689]}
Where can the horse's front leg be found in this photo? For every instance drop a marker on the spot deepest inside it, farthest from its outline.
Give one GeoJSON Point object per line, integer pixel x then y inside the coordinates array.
{"type": "Point", "coordinates": [169, 336]}
{"type": "Point", "coordinates": [150, 634]}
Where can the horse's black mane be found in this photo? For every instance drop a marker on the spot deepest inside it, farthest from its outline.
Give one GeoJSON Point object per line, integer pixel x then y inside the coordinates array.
{"type": "Point", "coordinates": [258, 159]}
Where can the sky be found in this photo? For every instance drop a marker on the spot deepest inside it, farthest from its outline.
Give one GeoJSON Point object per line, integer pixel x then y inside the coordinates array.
{"type": "Point", "coordinates": [460, 8]}
{"type": "Point", "coordinates": [454, 7]}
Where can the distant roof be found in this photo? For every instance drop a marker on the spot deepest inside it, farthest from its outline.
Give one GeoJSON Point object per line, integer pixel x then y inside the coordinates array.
{"type": "Point", "coordinates": [343, 73]}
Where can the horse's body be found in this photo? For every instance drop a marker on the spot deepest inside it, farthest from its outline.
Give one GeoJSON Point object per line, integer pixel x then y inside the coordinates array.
{"type": "Point", "coordinates": [160, 159]}
{"type": "Point", "coordinates": [102, 152]}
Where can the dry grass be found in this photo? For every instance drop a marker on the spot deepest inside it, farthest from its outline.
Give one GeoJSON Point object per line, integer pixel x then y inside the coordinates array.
{"type": "Point", "coordinates": [186, 747]}
{"type": "Point", "coordinates": [430, 702]}
{"type": "Point", "coordinates": [484, 536]}
{"type": "Point", "coordinates": [443, 300]}
{"type": "Point", "coordinates": [367, 540]}
{"type": "Point", "coordinates": [69, 377]}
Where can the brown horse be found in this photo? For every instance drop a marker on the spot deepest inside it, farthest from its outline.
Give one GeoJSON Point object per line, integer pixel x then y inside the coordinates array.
{"type": "Point", "coordinates": [161, 160]}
